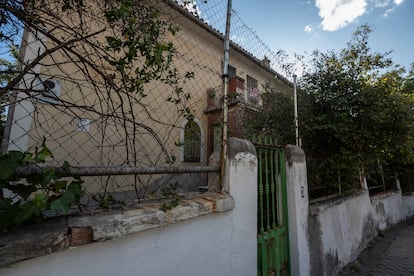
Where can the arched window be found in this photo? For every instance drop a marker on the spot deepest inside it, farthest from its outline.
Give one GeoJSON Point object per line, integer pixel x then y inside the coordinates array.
{"type": "Point", "coordinates": [192, 142]}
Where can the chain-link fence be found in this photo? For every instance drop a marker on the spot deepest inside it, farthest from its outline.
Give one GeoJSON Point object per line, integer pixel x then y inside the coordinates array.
{"type": "Point", "coordinates": [128, 95]}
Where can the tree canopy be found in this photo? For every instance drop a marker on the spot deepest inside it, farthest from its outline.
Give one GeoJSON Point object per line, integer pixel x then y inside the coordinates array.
{"type": "Point", "coordinates": [355, 113]}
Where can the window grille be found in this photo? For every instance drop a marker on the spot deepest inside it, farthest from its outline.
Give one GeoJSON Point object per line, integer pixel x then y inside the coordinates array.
{"type": "Point", "coordinates": [192, 142]}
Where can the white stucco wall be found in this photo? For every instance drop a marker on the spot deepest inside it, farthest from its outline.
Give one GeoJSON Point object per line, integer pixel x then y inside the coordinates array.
{"type": "Point", "coordinates": [340, 229]}
{"type": "Point", "coordinates": [388, 209]}
{"type": "Point", "coordinates": [340, 232]}
{"type": "Point", "coordinates": [392, 208]}
{"type": "Point", "coordinates": [408, 205]}
{"type": "Point", "coordinates": [215, 244]}
{"type": "Point", "coordinates": [298, 209]}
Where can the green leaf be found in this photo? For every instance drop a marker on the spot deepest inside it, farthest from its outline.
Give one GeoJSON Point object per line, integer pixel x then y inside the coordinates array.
{"type": "Point", "coordinates": [59, 185]}
{"type": "Point", "coordinates": [62, 204]}
{"type": "Point", "coordinates": [15, 156]}
{"type": "Point", "coordinates": [76, 188]}
{"type": "Point", "coordinates": [31, 208]}
{"type": "Point", "coordinates": [58, 206]}
{"type": "Point", "coordinates": [8, 169]}
{"type": "Point", "coordinates": [43, 155]}
{"type": "Point", "coordinates": [47, 177]}
{"type": "Point", "coordinates": [28, 157]}
{"type": "Point", "coordinates": [9, 163]}
{"type": "Point", "coordinates": [27, 210]}
{"type": "Point", "coordinates": [40, 203]}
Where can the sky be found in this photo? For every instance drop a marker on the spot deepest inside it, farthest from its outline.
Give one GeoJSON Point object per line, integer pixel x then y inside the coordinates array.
{"type": "Point", "coordinates": [301, 26]}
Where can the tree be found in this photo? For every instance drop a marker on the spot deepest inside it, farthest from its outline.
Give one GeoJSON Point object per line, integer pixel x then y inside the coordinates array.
{"type": "Point", "coordinates": [355, 115]}
{"type": "Point", "coordinates": [108, 56]}
{"type": "Point", "coordinates": [360, 113]}
{"type": "Point", "coordinates": [274, 118]}
{"type": "Point", "coordinates": [116, 47]}
{"type": "Point", "coordinates": [7, 69]}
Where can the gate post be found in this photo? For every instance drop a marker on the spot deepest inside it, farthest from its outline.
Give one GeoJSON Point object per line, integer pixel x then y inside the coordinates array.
{"type": "Point", "coordinates": [240, 180]}
{"type": "Point", "coordinates": [298, 209]}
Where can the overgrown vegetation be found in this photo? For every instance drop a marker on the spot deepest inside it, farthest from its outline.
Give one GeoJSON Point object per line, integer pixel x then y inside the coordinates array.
{"type": "Point", "coordinates": [27, 201]}
{"type": "Point", "coordinates": [116, 47]}
{"type": "Point", "coordinates": [356, 117]}
{"type": "Point", "coordinates": [108, 56]}
{"type": "Point", "coordinates": [169, 193]}
{"type": "Point", "coordinates": [274, 118]}
{"type": "Point", "coordinates": [360, 119]}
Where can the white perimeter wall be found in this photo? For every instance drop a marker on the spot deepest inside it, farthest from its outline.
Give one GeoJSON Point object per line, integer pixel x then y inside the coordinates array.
{"type": "Point", "coordinates": [215, 244]}
{"type": "Point", "coordinates": [340, 229]}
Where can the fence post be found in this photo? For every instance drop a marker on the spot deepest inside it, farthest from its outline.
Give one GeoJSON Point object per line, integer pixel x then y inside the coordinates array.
{"type": "Point", "coordinates": [298, 208]}
{"type": "Point", "coordinates": [241, 182]}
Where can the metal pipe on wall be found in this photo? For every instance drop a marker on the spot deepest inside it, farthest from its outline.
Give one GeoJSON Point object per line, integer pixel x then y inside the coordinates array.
{"type": "Point", "coordinates": [225, 92]}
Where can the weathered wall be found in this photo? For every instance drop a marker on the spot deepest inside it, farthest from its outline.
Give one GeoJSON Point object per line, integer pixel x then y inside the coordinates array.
{"type": "Point", "coordinates": [339, 229]}
{"type": "Point", "coordinates": [327, 234]}
{"type": "Point", "coordinates": [214, 244]}
{"type": "Point", "coordinates": [298, 209]}
{"type": "Point", "coordinates": [389, 208]}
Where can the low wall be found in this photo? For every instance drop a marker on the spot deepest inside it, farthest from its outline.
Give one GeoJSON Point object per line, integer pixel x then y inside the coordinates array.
{"type": "Point", "coordinates": [391, 208]}
{"type": "Point", "coordinates": [339, 229]}
{"type": "Point", "coordinates": [214, 243]}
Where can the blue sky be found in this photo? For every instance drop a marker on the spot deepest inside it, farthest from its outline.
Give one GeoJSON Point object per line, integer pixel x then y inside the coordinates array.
{"type": "Point", "coordinates": [301, 26]}
{"type": "Point", "coordinates": [298, 26]}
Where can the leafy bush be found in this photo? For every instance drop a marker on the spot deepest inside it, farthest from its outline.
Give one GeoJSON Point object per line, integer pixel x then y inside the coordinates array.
{"type": "Point", "coordinates": [26, 201]}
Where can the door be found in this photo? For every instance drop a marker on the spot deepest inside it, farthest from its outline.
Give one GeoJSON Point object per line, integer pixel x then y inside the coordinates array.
{"type": "Point", "coordinates": [272, 228]}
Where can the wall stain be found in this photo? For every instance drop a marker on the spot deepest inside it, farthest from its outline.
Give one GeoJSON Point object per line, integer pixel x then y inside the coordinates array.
{"type": "Point", "coordinates": [315, 245]}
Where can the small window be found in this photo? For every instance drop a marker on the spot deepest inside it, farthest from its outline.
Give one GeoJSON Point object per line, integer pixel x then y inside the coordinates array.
{"type": "Point", "coordinates": [192, 142]}
{"type": "Point", "coordinates": [231, 72]}
{"type": "Point", "coordinates": [252, 91]}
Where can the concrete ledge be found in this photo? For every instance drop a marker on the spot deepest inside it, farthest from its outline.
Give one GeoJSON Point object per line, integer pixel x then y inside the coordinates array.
{"type": "Point", "coordinates": [386, 194]}
{"type": "Point", "coordinates": [61, 233]}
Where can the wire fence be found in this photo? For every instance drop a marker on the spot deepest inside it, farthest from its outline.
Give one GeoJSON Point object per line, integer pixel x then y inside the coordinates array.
{"type": "Point", "coordinates": [96, 102]}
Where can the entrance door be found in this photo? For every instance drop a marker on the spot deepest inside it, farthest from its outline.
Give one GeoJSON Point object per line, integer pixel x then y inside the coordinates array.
{"type": "Point", "coordinates": [272, 229]}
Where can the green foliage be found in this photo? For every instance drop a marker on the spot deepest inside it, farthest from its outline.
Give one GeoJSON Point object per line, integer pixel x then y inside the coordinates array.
{"type": "Point", "coordinates": [357, 112]}
{"type": "Point", "coordinates": [141, 52]}
{"type": "Point", "coordinates": [169, 193]}
{"type": "Point", "coordinates": [107, 201]}
{"type": "Point", "coordinates": [7, 69]}
{"type": "Point", "coordinates": [274, 117]}
{"type": "Point", "coordinates": [40, 192]}
{"type": "Point", "coordinates": [355, 115]}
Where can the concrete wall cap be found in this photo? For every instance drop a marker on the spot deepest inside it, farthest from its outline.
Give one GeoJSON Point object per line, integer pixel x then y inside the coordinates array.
{"type": "Point", "coordinates": [237, 145]}
{"type": "Point", "coordinates": [294, 154]}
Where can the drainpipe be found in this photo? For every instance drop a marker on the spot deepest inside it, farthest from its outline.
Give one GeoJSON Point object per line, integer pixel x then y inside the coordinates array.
{"type": "Point", "coordinates": [225, 93]}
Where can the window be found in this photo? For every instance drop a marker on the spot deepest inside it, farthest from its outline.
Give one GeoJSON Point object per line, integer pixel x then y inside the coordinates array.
{"type": "Point", "coordinates": [231, 72]}
{"type": "Point", "coordinates": [192, 142]}
{"type": "Point", "coordinates": [252, 91]}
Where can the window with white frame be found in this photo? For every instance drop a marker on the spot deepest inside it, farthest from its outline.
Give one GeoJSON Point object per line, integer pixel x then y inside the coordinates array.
{"type": "Point", "coordinates": [192, 142]}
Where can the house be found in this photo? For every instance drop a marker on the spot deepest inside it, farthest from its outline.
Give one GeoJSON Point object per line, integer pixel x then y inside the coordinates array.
{"type": "Point", "coordinates": [88, 123]}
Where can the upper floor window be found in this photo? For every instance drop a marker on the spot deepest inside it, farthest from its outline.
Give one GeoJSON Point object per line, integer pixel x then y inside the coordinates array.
{"type": "Point", "coordinates": [232, 72]}
{"type": "Point", "coordinates": [192, 142]}
{"type": "Point", "coordinates": [252, 91]}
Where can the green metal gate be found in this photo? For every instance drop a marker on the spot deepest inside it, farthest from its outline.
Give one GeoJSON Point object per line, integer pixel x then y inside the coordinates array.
{"type": "Point", "coordinates": [272, 228]}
